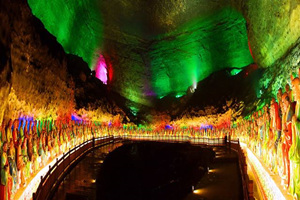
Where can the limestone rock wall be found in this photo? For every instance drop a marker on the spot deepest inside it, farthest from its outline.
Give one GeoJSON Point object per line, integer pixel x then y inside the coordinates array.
{"type": "Point", "coordinates": [33, 70]}
{"type": "Point", "coordinates": [36, 76]}
{"type": "Point", "coordinates": [273, 27]}
{"type": "Point", "coordinates": [5, 60]}
{"type": "Point", "coordinates": [38, 79]}
{"type": "Point", "coordinates": [279, 74]}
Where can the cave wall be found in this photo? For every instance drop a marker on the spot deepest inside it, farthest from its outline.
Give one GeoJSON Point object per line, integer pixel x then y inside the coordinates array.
{"type": "Point", "coordinates": [279, 73]}
{"type": "Point", "coordinates": [148, 61]}
{"type": "Point", "coordinates": [92, 99]}
{"type": "Point", "coordinates": [156, 48]}
{"type": "Point", "coordinates": [34, 79]}
{"type": "Point", "coordinates": [161, 48]}
{"type": "Point", "coordinates": [5, 59]}
{"type": "Point", "coordinates": [273, 27]}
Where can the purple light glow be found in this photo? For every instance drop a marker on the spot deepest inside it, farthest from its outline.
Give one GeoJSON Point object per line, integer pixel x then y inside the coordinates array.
{"type": "Point", "coordinates": [168, 127]}
{"type": "Point", "coordinates": [101, 70]}
{"type": "Point", "coordinates": [150, 93]}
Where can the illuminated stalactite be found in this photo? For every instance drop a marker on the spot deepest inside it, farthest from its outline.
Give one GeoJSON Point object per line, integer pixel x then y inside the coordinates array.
{"type": "Point", "coordinates": [101, 70]}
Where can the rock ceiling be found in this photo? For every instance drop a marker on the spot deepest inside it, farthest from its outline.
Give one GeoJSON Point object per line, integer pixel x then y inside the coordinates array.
{"type": "Point", "coordinates": [154, 48]}
{"type": "Point", "coordinates": [172, 54]}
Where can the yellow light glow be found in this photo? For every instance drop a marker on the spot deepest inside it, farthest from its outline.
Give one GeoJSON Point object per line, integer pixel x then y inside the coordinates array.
{"type": "Point", "coordinates": [198, 191]}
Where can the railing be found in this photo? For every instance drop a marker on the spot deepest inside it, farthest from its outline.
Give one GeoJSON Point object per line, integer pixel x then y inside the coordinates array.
{"type": "Point", "coordinates": [246, 183]}
{"type": "Point", "coordinates": [234, 144]}
{"type": "Point", "coordinates": [177, 139]}
{"type": "Point", "coordinates": [56, 173]}
{"type": "Point", "coordinates": [265, 182]}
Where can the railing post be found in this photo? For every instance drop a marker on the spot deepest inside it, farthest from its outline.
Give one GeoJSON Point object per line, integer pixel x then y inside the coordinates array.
{"type": "Point", "coordinates": [93, 141]}
{"type": "Point", "coordinates": [69, 156]}
{"type": "Point", "coordinates": [250, 189]}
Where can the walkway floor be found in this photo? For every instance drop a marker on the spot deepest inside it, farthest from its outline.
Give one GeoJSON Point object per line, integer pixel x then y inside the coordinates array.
{"type": "Point", "coordinates": [223, 180]}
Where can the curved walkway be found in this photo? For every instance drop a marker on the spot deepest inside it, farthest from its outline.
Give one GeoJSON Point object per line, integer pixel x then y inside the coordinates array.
{"type": "Point", "coordinates": [80, 182]}
{"type": "Point", "coordinates": [56, 173]}
{"type": "Point", "coordinates": [217, 167]}
{"type": "Point", "coordinates": [26, 192]}
{"type": "Point", "coordinates": [215, 174]}
{"type": "Point", "coordinates": [223, 180]}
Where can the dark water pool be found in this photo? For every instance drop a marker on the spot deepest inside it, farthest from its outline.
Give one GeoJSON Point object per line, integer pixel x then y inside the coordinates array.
{"type": "Point", "coordinates": [136, 171]}
{"type": "Point", "coordinates": [152, 170]}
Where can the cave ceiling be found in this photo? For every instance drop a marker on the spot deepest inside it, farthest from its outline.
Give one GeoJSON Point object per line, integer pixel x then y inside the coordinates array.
{"type": "Point", "coordinates": [160, 49]}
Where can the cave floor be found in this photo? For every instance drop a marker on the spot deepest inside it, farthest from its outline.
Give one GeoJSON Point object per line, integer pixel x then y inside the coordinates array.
{"type": "Point", "coordinates": [223, 180]}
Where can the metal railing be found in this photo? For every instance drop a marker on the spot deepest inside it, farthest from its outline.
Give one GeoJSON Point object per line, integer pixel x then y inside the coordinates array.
{"type": "Point", "coordinates": [177, 139]}
{"type": "Point", "coordinates": [233, 144]}
{"type": "Point", "coordinates": [56, 172]}
{"type": "Point", "coordinates": [246, 183]}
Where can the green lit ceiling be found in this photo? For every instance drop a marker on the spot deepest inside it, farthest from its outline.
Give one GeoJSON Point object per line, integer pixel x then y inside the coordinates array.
{"type": "Point", "coordinates": [153, 48]}
{"type": "Point", "coordinates": [77, 25]}
{"type": "Point", "coordinates": [193, 51]}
